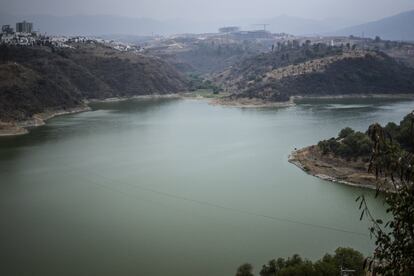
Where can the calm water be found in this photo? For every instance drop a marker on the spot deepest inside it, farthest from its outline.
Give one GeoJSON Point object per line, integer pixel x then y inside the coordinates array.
{"type": "Point", "coordinates": [176, 187]}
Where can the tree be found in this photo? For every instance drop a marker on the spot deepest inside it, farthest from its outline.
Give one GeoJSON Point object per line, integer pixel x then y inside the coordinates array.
{"type": "Point", "coordinates": [345, 132]}
{"type": "Point", "coordinates": [305, 268]}
{"type": "Point", "coordinates": [406, 132]}
{"type": "Point", "coordinates": [394, 251]}
{"type": "Point", "coordinates": [349, 144]}
{"type": "Point", "coordinates": [245, 270]}
{"type": "Point", "coordinates": [216, 90]}
{"type": "Point", "coordinates": [393, 130]}
{"type": "Point", "coordinates": [348, 258]}
{"type": "Point", "coordinates": [272, 267]}
{"type": "Point", "coordinates": [329, 265]}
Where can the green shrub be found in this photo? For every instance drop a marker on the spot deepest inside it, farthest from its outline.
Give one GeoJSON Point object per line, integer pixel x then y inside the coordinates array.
{"type": "Point", "coordinates": [349, 144]}
{"type": "Point", "coordinates": [345, 132]}
{"type": "Point", "coordinates": [346, 258]}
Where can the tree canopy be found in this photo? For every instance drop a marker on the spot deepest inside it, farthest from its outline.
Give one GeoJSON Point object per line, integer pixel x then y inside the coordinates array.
{"type": "Point", "coordinates": [345, 258]}
{"type": "Point", "coordinates": [348, 144]}
{"type": "Point", "coordinates": [393, 160]}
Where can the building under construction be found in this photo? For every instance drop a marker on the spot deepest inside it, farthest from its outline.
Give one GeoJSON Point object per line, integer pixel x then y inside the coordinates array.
{"type": "Point", "coordinates": [258, 34]}
{"type": "Point", "coordinates": [229, 29]}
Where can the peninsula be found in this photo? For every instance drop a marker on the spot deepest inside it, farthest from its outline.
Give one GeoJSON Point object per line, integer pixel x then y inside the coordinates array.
{"type": "Point", "coordinates": [345, 159]}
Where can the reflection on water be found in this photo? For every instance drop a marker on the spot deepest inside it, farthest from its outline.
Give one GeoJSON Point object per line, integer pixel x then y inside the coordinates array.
{"type": "Point", "coordinates": [177, 187]}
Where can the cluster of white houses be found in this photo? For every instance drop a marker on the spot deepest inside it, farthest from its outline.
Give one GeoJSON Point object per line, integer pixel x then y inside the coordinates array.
{"type": "Point", "coordinates": [24, 35]}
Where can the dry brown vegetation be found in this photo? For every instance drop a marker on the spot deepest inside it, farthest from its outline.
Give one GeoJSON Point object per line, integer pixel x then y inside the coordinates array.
{"type": "Point", "coordinates": [34, 79]}
{"type": "Point", "coordinates": [313, 71]}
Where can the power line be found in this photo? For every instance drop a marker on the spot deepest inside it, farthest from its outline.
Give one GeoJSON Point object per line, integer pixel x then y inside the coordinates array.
{"type": "Point", "coordinates": [215, 205]}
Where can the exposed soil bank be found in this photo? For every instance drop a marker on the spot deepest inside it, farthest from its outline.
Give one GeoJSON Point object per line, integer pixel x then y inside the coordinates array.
{"type": "Point", "coordinates": [21, 127]}
{"type": "Point", "coordinates": [328, 167]}
{"type": "Point", "coordinates": [138, 97]}
{"type": "Point", "coordinates": [358, 96]}
{"type": "Point", "coordinates": [250, 102]}
{"type": "Point", "coordinates": [255, 102]}
{"type": "Point", "coordinates": [11, 129]}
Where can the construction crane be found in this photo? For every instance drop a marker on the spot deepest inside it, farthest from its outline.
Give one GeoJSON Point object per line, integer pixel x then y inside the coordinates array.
{"type": "Point", "coordinates": [264, 26]}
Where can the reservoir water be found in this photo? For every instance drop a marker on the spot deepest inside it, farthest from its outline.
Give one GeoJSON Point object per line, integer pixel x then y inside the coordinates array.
{"type": "Point", "coordinates": [177, 187]}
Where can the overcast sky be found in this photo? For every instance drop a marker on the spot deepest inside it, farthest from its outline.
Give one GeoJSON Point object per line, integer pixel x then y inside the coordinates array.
{"type": "Point", "coordinates": [361, 10]}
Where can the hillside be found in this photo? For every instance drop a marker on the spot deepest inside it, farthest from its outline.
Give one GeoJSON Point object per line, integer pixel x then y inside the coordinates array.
{"type": "Point", "coordinates": [397, 27]}
{"type": "Point", "coordinates": [316, 71]}
{"type": "Point", "coordinates": [192, 55]}
{"type": "Point", "coordinates": [346, 158]}
{"type": "Point", "coordinates": [37, 79]}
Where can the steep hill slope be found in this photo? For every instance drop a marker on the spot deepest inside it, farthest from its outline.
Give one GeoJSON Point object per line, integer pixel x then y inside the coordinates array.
{"type": "Point", "coordinates": [277, 76]}
{"type": "Point", "coordinates": [192, 55]}
{"type": "Point", "coordinates": [36, 79]}
{"type": "Point", "coordinates": [397, 27]}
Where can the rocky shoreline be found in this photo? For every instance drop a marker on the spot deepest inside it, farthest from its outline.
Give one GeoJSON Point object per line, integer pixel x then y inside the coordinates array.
{"type": "Point", "coordinates": [328, 167]}
{"type": "Point", "coordinates": [358, 96]}
{"type": "Point", "coordinates": [22, 127]}
{"type": "Point", "coordinates": [256, 103]}
{"type": "Point", "coordinates": [138, 97]}
{"type": "Point", "coordinates": [250, 103]}
{"type": "Point", "coordinates": [11, 129]}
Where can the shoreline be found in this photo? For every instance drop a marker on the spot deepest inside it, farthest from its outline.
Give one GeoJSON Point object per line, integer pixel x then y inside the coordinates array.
{"type": "Point", "coordinates": [8, 129]}
{"type": "Point", "coordinates": [138, 97]}
{"type": "Point", "coordinates": [11, 129]}
{"type": "Point", "coordinates": [332, 169]}
{"type": "Point", "coordinates": [251, 103]}
{"type": "Point", "coordinates": [357, 96]}
{"type": "Point", "coordinates": [258, 103]}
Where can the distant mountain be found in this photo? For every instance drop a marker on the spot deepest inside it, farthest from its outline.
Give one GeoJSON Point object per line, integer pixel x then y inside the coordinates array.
{"type": "Point", "coordinates": [302, 26]}
{"type": "Point", "coordinates": [397, 27]}
{"type": "Point", "coordinates": [108, 24]}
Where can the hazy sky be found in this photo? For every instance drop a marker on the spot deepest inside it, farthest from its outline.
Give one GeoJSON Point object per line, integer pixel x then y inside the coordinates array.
{"type": "Point", "coordinates": [362, 10]}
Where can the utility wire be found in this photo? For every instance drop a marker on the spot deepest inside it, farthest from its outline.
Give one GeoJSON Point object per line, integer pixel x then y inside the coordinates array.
{"type": "Point", "coordinates": [212, 204]}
